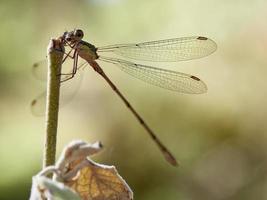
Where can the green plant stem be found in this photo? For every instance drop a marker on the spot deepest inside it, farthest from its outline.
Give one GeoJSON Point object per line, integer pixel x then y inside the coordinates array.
{"type": "Point", "coordinates": [55, 52]}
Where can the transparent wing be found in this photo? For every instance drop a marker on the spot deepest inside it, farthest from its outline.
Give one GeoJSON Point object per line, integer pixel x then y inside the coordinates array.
{"type": "Point", "coordinates": [38, 104]}
{"type": "Point", "coordinates": [39, 70]}
{"type": "Point", "coordinates": [170, 50]}
{"type": "Point", "coordinates": [171, 80]}
{"type": "Point", "coordinates": [68, 89]}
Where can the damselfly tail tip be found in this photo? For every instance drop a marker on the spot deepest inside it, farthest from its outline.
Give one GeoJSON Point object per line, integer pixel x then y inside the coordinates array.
{"type": "Point", "coordinates": [170, 159]}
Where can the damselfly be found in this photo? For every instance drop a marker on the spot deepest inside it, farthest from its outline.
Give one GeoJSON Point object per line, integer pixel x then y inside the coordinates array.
{"type": "Point", "coordinates": [170, 50]}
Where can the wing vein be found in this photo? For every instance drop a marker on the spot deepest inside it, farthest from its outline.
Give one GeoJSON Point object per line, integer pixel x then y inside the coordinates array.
{"type": "Point", "coordinates": [171, 50]}
{"type": "Point", "coordinates": [171, 80]}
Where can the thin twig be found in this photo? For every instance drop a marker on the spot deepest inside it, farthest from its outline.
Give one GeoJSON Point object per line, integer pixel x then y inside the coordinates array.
{"type": "Point", "coordinates": [55, 54]}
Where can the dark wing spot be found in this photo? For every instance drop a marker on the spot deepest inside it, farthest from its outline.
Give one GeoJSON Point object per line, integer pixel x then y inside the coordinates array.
{"type": "Point", "coordinates": [195, 78]}
{"type": "Point", "coordinates": [33, 102]}
{"type": "Point", "coordinates": [100, 145]}
{"type": "Point", "coordinates": [202, 38]}
{"type": "Point", "coordinates": [35, 65]}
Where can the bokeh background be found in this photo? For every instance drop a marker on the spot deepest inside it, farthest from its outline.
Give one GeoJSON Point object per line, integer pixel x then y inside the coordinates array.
{"type": "Point", "coordinates": [219, 137]}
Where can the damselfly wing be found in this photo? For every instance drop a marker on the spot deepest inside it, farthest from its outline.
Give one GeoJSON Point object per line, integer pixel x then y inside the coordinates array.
{"type": "Point", "coordinates": [67, 90]}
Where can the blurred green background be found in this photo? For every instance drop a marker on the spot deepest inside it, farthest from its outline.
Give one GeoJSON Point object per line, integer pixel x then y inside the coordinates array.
{"type": "Point", "coordinates": [219, 137]}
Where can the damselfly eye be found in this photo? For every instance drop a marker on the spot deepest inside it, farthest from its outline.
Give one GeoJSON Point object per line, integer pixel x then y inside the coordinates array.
{"type": "Point", "coordinates": [78, 33]}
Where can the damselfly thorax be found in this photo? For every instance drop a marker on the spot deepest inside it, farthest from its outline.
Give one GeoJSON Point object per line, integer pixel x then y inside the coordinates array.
{"type": "Point", "coordinates": [86, 51]}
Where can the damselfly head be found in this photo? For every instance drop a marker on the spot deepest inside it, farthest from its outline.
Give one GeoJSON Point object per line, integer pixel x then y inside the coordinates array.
{"type": "Point", "coordinates": [72, 37]}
